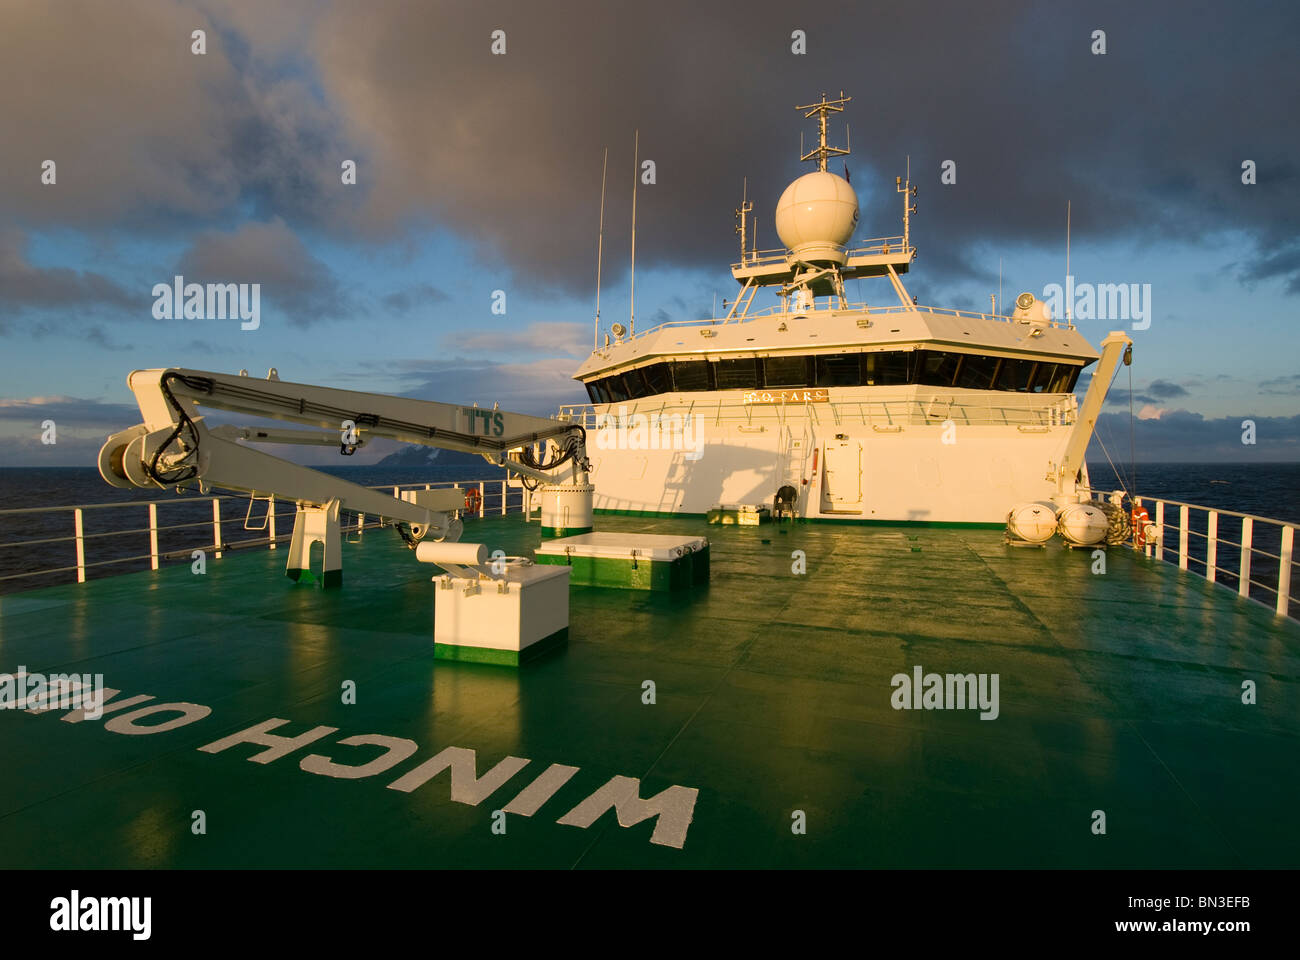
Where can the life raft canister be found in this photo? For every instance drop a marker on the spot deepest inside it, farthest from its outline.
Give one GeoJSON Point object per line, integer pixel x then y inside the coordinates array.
{"type": "Point", "coordinates": [1140, 520]}
{"type": "Point", "coordinates": [473, 500]}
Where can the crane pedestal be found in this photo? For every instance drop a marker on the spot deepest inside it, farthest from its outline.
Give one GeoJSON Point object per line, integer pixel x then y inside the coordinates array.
{"type": "Point", "coordinates": [316, 525]}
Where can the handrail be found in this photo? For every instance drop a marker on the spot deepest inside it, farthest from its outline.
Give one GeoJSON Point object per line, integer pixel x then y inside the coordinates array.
{"type": "Point", "coordinates": [848, 307]}
{"type": "Point", "coordinates": [1208, 561]}
{"type": "Point", "coordinates": [879, 245]}
{"type": "Point", "coordinates": [1010, 409]}
{"type": "Point", "coordinates": [494, 491]}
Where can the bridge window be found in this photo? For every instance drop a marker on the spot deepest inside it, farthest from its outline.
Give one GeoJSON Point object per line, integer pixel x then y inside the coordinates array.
{"type": "Point", "coordinates": [892, 369]}
{"type": "Point", "coordinates": [1044, 378]}
{"type": "Point", "coordinates": [658, 378]}
{"type": "Point", "coordinates": [977, 373]}
{"type": "Point", "coordinates": [785, 372]}
{"type": "Point", "coordinates": [840, 370]}
{"type": "Point", "coordinates": [1015, 375]}
{"type": "Point", "coordinates": [615, 389]}
{"type": "Point", "coordinates": [692, 375]}
{"type": "Point", "coordinates": [938, 369]}
{"type": "Point", "coordinates": [737, 374]}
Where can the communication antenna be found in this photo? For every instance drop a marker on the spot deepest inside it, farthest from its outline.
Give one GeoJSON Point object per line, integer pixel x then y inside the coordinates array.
{"type": "Point", "coordinates": [1067, 264]}
{"type": "Point", "coordinates": [636, 175]}
{"type": "Point", "coordinates": [909, 192]}
{"type": "Point", "coordinates": [822, 111]}
{"type": "Point", "coordinates": [742, 212]}
{"type": "Point", "coordinates": [999, 284]}
{"type": "Point", "coordinates": [600, 246]}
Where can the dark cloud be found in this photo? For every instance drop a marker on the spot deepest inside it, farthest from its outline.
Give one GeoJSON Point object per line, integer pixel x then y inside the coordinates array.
{"type": "Point", "coordinates": [23, 285]}
{"type": "Point", "coordinates": [272, 255]}
{"type": "Point", "coordinates": [422, 294]}
{"type": "Point", "coordinates": [99, 338]}
{"type": "Point", "coordinates": [145, 133]}
{"type": "Point", "coordinates": [1157, 392]}
{"type": "Point", "coordinates": [537, 387]}
{"type": "Point", "coordinates": [1165, 390]}
{"type": "Point", "coordinates": [1284, 262]}
{"type": "Point", "coordinates": [1147, 141]}
{"type": "Point", "coordinates": [1288, 385]}
{"type": "Point", "coordinates": [70, 412]}
{"type": "Point", "coordinates": [1181, 436]}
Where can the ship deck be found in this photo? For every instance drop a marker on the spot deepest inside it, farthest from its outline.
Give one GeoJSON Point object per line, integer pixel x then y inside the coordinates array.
{"type": "Point", "coordinates": [1119, 692]}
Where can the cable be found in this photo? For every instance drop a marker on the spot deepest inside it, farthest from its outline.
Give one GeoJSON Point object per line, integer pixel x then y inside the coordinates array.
{"type": "Point", "coordinates": [183, 425]}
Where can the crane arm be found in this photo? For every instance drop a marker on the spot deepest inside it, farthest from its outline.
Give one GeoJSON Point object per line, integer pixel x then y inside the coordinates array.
{"type": "Point", "coordinates": [174, 447]}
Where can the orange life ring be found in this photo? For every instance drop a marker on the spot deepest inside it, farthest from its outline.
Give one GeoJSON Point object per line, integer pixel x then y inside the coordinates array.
{"type": "Point", "coordinates": [473, 500]}
{"type": "Point", "coordinates": [1140, 519]}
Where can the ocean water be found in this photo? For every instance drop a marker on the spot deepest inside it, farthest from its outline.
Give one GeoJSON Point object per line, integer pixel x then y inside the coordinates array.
{"type": "Point", "coordinates": [1268, 490]}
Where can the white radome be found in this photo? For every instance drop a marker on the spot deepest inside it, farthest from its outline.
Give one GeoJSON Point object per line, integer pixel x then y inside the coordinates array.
{"type": "Point", "coordinates": [816, 216]}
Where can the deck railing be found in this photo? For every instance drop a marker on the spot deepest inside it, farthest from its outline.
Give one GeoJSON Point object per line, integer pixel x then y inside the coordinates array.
{"type": "Point", "coordinates": [1030, 412]}
{"type": "Point", "coordinates": [82, 549]}
{"type": "Point", "coordinates": [1198, 539]}
{"type": "Point", "coordinates": [833, 308]}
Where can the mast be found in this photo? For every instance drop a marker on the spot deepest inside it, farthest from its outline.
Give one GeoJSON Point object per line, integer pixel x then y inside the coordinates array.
{"type": "Point", "coordinates": [600, 247]}
{"type": "Point", "coordinates": [909, 192]}
{"type": "Point", "coordinates": [636, 175]}
{"type": "Point", "coordinates": [1069, 287]}
{"type": "Point", "coordinates": [822, 111]}
{"type": "Point", "coordinates": [746, 207]}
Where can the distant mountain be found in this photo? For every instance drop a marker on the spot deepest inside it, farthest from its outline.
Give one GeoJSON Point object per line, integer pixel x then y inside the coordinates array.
{"type": "Point", "coordinates": [415, 456]}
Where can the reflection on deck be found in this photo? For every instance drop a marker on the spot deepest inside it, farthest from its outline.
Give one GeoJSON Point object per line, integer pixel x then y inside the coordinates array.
{"type": "Point", "coordinates": [1119, 692]}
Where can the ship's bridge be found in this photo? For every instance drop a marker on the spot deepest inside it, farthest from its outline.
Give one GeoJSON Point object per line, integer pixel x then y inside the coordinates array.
{"type": "Point", "coordinates": [852, 346]}
{"type": "Point", "coordinates": [814, 337]}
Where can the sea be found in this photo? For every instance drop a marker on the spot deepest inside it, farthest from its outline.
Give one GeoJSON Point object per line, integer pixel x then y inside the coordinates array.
{"type": "Point", "coordinates": [116, 538]}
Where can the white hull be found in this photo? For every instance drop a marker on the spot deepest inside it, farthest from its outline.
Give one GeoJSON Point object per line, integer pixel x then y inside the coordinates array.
{"type": "Point", "coordinates": [867, 454]}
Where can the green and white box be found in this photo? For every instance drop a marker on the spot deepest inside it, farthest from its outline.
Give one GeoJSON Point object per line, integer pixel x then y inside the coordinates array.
{"type": "Point", "coordinates": [505, 620]}
{"type": "Point", "coordinates": [630, 561]}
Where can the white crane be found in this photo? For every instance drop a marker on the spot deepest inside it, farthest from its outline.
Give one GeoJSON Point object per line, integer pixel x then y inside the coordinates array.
{"type": "Point", "coordinates": [174, 448]}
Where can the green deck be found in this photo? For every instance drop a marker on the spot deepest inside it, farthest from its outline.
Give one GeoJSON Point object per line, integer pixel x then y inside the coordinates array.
{"type": "Point", "coordinates": [1119, 692]}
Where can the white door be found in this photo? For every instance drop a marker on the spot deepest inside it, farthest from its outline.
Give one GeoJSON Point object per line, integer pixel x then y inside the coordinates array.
{"type": "Point", "coordinates": [842, 480]}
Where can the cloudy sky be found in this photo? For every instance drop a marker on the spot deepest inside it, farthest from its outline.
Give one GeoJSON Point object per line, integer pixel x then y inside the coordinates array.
{"type": "Point", "coordinates": [479, 172]}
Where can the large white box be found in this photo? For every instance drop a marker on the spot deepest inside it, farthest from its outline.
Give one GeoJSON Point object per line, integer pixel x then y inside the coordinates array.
{"type": "Point", "coordinates": [501, 620]}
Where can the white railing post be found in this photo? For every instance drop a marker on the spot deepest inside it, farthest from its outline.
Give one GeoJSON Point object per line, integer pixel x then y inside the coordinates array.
{"type": "Point", "coordinates": [361, 523]}
{"type": "Point", "coordinates": [79, 531]}
{"type": "Point", "coordinates": [153, 536]}
{"type": "Point", "coordinates": [1247, 535]}
{"type": "Point", "coordinates": [270, 521]}
{"type": "Point", "coordinates": [503, 498]}
{"type": "Point", "coordinates": [216, 527]}
{"type": "Point", "coordinates": [1212, 545]}
{"type": "Point", "coordinates": [1182, 537]}
{"type": "Point", "coordinates": [482, 503]}
{"type": "Point", "coordinates": [1160, 523]}
{"type": "Point", "coordinates": [1284, 572]}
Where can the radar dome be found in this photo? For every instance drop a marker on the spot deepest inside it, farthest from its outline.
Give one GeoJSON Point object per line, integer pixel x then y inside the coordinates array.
{"type": "Point", "coordinates": [817, 215]}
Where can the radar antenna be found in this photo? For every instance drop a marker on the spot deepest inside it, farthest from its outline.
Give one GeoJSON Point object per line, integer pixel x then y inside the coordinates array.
{"type": "Point", "coordinates": [822, 111]}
